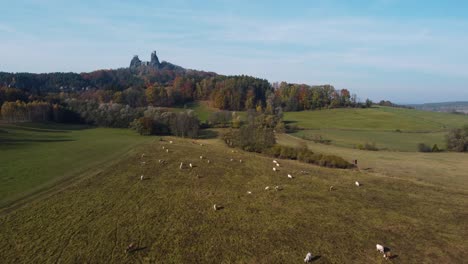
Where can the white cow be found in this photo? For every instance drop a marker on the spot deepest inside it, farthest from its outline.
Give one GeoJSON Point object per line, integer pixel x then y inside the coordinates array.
{"type": "Point", "coordinates": [274, 169]}
{"type": "Point", "coordinates": [267, 188]}
{"type": "Point", "coordinates": [190, 164]}
{"type": "Point", "coordinates": [274, 161]}
{"type": "Point", "coordinates": [308, 258]}
{"type": "Point", "coordinates": [290, 176]}
{"type": "Point", "coordinates": [181, 165]}
{"type": "Point", "coordinates": [142, 177]}
{"type": "Point", "coordinates": [357, 184]}
{"type": "Point", "coordinates": [170, 142]}
{"type": "Point", "coordinates": [380, 248]}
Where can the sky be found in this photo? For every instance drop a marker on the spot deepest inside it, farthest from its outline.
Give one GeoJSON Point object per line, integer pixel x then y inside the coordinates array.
{"type": "Point", "coordinates": [399, 50]}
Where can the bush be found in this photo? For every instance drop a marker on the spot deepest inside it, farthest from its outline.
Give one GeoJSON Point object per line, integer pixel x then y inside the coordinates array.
{"type": "Point", "coordinates": [424, 148]}
{"type": "Point", "coordinates": [307, 156]}
{"type": "Point", "coordinates": [367, 146]}
{"type": "Point", "coordinates": [435, 148]}
{"type": "Point", "coordinates": [457, 139]}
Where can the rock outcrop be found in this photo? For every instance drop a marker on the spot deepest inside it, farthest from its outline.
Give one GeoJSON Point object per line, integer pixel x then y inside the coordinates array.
{"type": "Point", "coordinates": [135, 62]}
{"type": "Point", "coordinates": [154, 63]}
{"type": "Point", "coordinates": [154, 60]}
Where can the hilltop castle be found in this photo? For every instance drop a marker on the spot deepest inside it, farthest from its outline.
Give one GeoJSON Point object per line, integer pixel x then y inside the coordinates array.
{"type": "Point", "coordinates": [154, 62]}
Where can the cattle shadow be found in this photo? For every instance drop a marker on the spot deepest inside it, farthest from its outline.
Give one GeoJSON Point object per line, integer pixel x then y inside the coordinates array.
{"type": "Point", "coordinates": [315, 258]}
{"type": "Point", "coordinates": [136, 249]}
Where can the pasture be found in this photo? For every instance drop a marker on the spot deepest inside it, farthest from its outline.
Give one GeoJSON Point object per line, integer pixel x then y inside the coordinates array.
{"type": "Point", "coordinates": [35, 156]}
{"type": "Point", "coordinates": [170, 216]}
{"type": "Point", "coordinates": [389, 128]}
{"type": "Point", "coordinates": [201, 108]}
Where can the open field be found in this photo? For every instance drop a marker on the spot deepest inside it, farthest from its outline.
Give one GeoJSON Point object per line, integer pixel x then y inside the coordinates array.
{"type": "Point", "coordinates": [35, 156]}
{"type": "Point", "coordinates": [379, 125]}
{"type": "Point", "coordinates": [170, 215]}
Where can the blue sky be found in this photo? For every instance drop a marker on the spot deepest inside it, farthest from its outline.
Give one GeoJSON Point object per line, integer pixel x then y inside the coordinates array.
{"type": "Point", "coordinates": [404, 51]}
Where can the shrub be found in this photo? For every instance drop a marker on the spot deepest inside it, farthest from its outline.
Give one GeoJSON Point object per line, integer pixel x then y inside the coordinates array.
{"type": "Point", "coordinates": [367, 146]}
{"type": "Point", "coordinates": [424, 148]}
{"type": "Point", "coordinates": [435, 148]}
{"type": "Point", "coordinates": [457, 139]}
{"type": "Point", "coordinates": [307, 156]}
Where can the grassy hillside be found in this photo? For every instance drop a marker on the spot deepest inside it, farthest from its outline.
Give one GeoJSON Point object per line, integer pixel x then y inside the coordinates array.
{"type": "Point", "coordinates": [201, 109]}
{"type": "Point", "coordinates": [171, 219]}
{"type": "Point", "coordinates": [34, 156]}
{"type": "Point", "coordinates": [390, 128]}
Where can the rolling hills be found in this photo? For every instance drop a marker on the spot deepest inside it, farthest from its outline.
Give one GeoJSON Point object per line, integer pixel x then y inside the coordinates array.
{"type": "Point", "coordinates": [170, 215]}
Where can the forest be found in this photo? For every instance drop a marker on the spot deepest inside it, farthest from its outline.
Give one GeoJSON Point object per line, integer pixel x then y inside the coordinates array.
{"type": "Point", "coordinates": [124, 97]}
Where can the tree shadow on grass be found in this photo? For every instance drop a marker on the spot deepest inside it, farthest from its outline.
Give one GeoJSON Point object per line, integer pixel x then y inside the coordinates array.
{"type": "Point", "coordinates": [24, 142]}
{"type": "Point", "coordinates": [207, 134]}
{"type": "Point", "coordinates": [49, 127]}
{"type": "Point", "coordinates": [287, 122]}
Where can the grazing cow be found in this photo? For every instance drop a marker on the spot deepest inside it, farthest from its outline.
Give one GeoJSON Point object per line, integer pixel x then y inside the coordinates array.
{"type": "Point", "coordinates": [163, 147]}
{"type": "Point", "coordinates": [142, 177]}
{"type": "Point", "coordinates": [332, 188]}
{"type": "Point", "coordinates": [170, 142]}
{"type": "Point", "coordinates": [278, 188]}
{"type": "Point", "coordinates": [249, 192]}
{"type": "Point", "coordinates": [201, 157]}
{"type": "Point", "coordinates": [357, 184]}
{"type": "Point", "coordinates": [274, 161]}
{"type": "Point", "coordinates": [208, 161]}
{"type": "Point", "coordinates": [267, 188]}
{"type": "Point", "coordinates": [240, 161]}
{"type": "Point", "coordinates": [167, 150]}
{"type": "Point", "coordinates": [143, 155]}
{"type": "Point", "coordinates": [190, 164]}
{"type": "Point", "coordinates": [380, 248]}
{"type": "Point", "coordinates": [290, 176]}
{"type": "Point", "coordinates": [308, 258]}
{"type": "Point", "coordinates": [232, 159]}
{"type": "Point", "coordinates": [181, 165]}
{"type": "Point", "coordinates": [274, 169]}
{"type": "Point", "coordinates": [277, 165]}
{"type": "Point", "coordinates": [216, 207]}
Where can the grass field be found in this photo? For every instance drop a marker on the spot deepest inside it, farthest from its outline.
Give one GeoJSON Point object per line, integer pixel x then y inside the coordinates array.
{"type": "Point", "coordinates": [34, 156]}
{"type": "Point", "coordinates": [379, 125]}
{"type": "Point", "coordinates": [201, 109]}
{"type": "Point", "coordinates": [171, 219]}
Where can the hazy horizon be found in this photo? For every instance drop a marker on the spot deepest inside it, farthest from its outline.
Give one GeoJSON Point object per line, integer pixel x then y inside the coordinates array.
{"type": "Point", "coordinates": [382, 49]}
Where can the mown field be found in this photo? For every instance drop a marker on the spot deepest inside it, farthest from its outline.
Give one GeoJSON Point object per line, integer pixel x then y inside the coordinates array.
{"type": "Point", "coordinates": [389, 128]}
{"type": "Point", "coordinates": [34, 156]}
{"type": "Point", "coordinates": [170, 215]}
